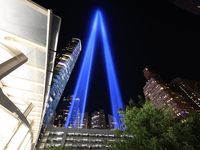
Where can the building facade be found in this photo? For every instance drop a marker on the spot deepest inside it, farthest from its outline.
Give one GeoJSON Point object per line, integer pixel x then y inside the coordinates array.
{"type": "Point", "coordinates": [63, 111]}
{"type": "Point", "coordinates": [86, 121]}
{"type": "Point", "coordinates": [191, 6]}
{"type": "Point", "coordinates": [190, 90]}
{"type": "Point", "coordinates": [98, 120]}
{"type": "Point", "coordinates": [163, 94]}
{"type": "Point", "coordinates": [65, 62]}
{"type": "Point", "coordinates": [112, 122]}
{"type": "Point", "coordinates": [76, 138]}
{"type": "Point", "coordinates": [28, 44]}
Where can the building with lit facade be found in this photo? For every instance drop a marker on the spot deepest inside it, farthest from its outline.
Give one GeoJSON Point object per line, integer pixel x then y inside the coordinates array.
{"type": "Point", "coordinates": [86, 124]}
{"type": "Point", "coordinates": [98, 120]}
{"type": "Point", "coordinates": [164, 94]}
{"type": "Point", "coordinates": [190, 90]}
{"type": "Point", "coordinates": [76, 138]}
{"type": "Point", "coordinates": [63, 111]}
{"type": "Point", "coordinates": [192, 6]}
{"type": "Point", "coordinates": [28, 43]}
{"type": "Point", "coordinates": [112, 122]}
{"type": "Point", "coordinates": [65, 62]}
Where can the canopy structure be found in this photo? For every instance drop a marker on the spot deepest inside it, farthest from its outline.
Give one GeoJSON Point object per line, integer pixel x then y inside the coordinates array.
{"type": "Point", "coordinates": [28, 42]}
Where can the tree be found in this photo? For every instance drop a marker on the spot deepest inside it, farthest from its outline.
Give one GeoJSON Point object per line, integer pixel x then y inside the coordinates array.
{"type": "Point", "coordinates": [147, 127]}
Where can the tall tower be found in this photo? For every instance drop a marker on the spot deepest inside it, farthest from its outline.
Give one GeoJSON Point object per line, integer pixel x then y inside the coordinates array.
{"type": "Point", "coordinates": [65, 62]}
{"type": "Point", "coordinates": [62, 113]}
{"type": "Point", "coordinates": [112, 122]}
{"type": "Point", "coordinates": [160, 93]}
{"type": "Point", "coordinates": [86, 124]}
{"type": "Point", "coordinates": [190, 90]}
{"type": "Point", "coordinates": [98, 120]}
{"type": "Point", "coordinates": [188, 5]}
{"type": "Point", "coordinates": [148, 74]}
{"type": "Point", "coordinates": [74, 121]}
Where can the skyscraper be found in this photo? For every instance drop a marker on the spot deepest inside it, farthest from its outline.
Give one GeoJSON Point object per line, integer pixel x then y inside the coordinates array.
{"type": "Point", "coordinates": [112, 122]}
{"type": "Point", "coordinates": [63, 112]}
{"type": "Point", "coordinates": [86, 121]}
{"type": "Point", "coordinates": [98, 120]}
{"type": "Point", "coordinates": [188, 5]}
{"type": "Point", "coordinates": [190, 90]}
{"type": "Point", "coordinates": [162, 93]}
{"type": "Point", "coordinates": [65, 62]}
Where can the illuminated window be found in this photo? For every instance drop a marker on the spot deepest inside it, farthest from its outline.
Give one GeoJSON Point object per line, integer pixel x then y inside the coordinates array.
{"type": "Point", "coordinates": [47, 133]}
{"type": "Point", "coordinates": [42, 145]}
{"type": "Point", "coordinates": [59, 133]}
{"type": "Point", "coordinates": [50, 98]}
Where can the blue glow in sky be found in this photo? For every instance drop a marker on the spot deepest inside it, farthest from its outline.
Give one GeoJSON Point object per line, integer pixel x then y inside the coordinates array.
{"type": "Point", "coordinates": [81, 89]}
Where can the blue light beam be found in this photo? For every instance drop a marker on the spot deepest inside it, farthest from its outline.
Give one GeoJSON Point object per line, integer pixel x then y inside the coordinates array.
{"type": "Point", "coordinates": [81, 88]}
{"type": "Point", "coordinates": [115, 95]}
{"type": "Point", "coordinates": [82, 84]}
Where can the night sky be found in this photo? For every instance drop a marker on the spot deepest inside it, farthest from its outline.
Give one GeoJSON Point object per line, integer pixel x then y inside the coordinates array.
{"type": "Point", "coordinates": [142, 34]}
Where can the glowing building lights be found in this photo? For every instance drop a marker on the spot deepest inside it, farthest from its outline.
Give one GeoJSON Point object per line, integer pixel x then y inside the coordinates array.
{"type": "Point", "coordinates": [82, 84]}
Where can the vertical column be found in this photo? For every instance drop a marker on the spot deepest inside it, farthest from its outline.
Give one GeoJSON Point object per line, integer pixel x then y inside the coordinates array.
{"type": "Point", "coordinates": [64, 137]}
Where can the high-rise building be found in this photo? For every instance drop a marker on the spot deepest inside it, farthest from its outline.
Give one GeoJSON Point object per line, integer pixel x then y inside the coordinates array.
{"type": "Point", "coordinates": [112, 122]}
{"type": "Point", "coordinates": [160, 93]}
{"type": "Point", "coordinates": [188, 5]}
{"type": "Point", "coordinates": [98, 120]}
{"type": "Point", "coordinates": [75, 120]}
{"type": "Point", "coordinates": [28, 44]}
{"type": "Point", "coordinates": [86, 124]}
{"type": "Point", "coordinates": [190, 90]}
{"type": "Point", "coordinates": [148, 74]}
{"type": "Point", "coordinates": [65, 62]}
{"type": "Point", "coordinates": [63, 112]}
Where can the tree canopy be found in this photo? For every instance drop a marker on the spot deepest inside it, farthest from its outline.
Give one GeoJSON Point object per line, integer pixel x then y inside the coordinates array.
{"type": "Point", "coordinates": [147, 127]}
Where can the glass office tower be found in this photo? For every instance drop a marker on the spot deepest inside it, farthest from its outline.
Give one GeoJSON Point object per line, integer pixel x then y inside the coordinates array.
{"type": "Point", "coordinates": [65, 62]}
{"type": "Point", "coordinates": [63, 112]}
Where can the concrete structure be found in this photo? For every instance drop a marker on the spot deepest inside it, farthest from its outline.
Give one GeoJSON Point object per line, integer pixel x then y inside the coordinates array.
{"type": "Point", "coordinates": [28, 42]}
{"type": "Point", "coordinates": [76, 138]}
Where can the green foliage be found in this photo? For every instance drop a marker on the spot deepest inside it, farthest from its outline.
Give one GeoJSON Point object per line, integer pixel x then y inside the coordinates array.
{"type": "Point", "coordinates": [151, 128]}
